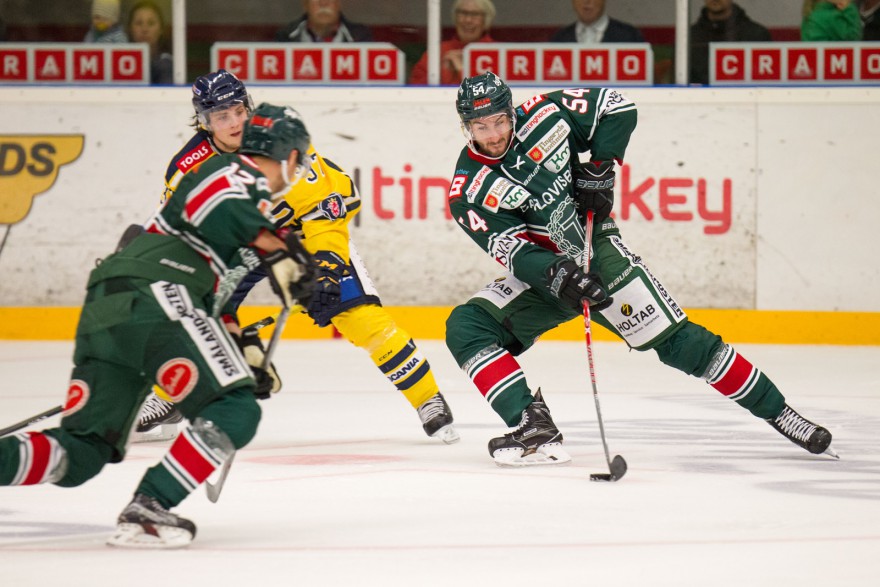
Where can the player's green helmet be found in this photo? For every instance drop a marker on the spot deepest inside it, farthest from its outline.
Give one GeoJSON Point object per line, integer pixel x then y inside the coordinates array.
{"type": "Point", "coordinates": [483, 95]}
{"type": "Point", "coordinates": [275, 131]}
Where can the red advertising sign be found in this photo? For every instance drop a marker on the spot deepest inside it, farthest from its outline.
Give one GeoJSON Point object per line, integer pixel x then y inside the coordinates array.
{"type": "Point", "coordinates": [349, 63]}
{"type": "Point", "coordinates": [104, 63]}
{"type": "Point", "coordinates": [793, 63]}
{"type": "Point", "coordinates": [562, 63]}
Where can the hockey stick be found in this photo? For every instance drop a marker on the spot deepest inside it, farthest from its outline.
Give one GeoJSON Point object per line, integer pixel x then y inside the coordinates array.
{"type": "Point", "coordinates": [213, 489]}
{"type": "Point", "coordinates": [617, 466]}
{"type": "Point", "coordinates": [32, 420]}
{"type": "Point", "coordinates": [58, 409]}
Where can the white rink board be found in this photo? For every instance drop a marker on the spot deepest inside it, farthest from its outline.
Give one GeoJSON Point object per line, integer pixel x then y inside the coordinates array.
{"type": "Point", "coordinates": [796, 162]}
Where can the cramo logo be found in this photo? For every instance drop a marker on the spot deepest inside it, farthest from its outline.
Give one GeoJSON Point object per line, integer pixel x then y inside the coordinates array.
{"type": "Point", "coordinates": [197, 155]}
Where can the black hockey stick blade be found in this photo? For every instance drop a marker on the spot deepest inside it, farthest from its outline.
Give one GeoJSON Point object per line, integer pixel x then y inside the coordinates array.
{"type": "Point", "coordinates": [32, 420]}
{"type": "Point", "coordinates": [618, 470]}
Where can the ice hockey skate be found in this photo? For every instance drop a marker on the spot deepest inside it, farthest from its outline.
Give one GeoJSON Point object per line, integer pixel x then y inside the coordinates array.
{"type": "Point", "coordinates": [437, 419]}
{"type": "Point", "coordinates": [157, 421]}
{"type": "Point", "coordinates": [807, 435]}
{"type": "Point", "coordinates": [536, 441]}
{"type": "Point", "coordinates": [144, 523]}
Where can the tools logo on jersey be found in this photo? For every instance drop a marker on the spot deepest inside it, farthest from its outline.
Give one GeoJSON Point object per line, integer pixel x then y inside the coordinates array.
{"type": "Point", "coordinates": [332, 207]}
{"type": "Point", "coordinates": [178, 377]}
{"type": "Point", "coordinates": [192, 158]}
{"type": "Point", "coordinates": [77, 397]}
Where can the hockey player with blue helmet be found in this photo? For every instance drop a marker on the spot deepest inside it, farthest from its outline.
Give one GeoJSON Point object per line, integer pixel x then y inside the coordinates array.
{"type": "Point", "coordinates": [319, 209]}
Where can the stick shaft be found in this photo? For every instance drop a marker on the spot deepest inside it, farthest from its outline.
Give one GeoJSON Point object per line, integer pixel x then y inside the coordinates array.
{"type": "Point", "coordinates": [588, 334]}
{"type": "Point", "coordinates": [32, 420]}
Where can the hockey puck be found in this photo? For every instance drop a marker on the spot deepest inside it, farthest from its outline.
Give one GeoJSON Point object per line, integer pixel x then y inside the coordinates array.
{"type": "Point", "coordinates": [618, 468]}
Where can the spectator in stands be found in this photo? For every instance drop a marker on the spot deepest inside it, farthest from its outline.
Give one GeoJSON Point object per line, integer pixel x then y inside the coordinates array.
{"type": "Point", "coordinates": [870, 19]}
{"type": "Point", "coordinates": [146, 25]}
{"type": "Point", "coordinates": [323, 23]}
{"type": "Point", "coordinates": [837, 20]}
{"type": "Point", "coordinates": [105, 23]}
{"type": "Point", "coordinates": [594, 26]}
{"type": "Point", "coordinates": [720, 21]}
{"type": "Point", "coordinates": [472, 19]}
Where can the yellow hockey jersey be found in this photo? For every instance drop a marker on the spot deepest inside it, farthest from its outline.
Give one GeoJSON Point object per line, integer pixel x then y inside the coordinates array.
{"type": "Point", "coordinates": [318, 207]}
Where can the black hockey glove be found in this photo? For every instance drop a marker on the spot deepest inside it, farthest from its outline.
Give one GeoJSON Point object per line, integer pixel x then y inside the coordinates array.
{"type": "Point", "coordinates": [291, 272]}
{"type": "Point", "coordinates": [569, 283]}
{"type": "Point", "coordinates": [329, 270]}
{"type": "Point", "coordinates": [268, 381]}
{"type": "Point", "coordinates": [593, 188]}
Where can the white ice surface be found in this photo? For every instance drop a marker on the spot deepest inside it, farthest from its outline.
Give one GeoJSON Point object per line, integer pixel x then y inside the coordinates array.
{"type": "Point", "coordinates": [341, 487]}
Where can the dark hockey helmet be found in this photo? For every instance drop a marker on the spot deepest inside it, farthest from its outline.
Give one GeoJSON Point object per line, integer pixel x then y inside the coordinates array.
{"type": "Point", "coordinates": [483, 95]}
{"type": "Point", "coordinates": [480, 96]}
{"type": "Point", "coordinates": [218, 90]}
{"type": "Point", "coordinates": [275, 131]}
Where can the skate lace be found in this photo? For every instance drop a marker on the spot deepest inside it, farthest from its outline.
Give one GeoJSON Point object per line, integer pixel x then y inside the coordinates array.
{"type": "Point", "coordinates": [794, 425]}
{"type": "Point", "coordinates": [524, 423]}
{"type": "Point", "coordinates": [431, 409]}
{"type": "Point", "coordinates": [155, 407]}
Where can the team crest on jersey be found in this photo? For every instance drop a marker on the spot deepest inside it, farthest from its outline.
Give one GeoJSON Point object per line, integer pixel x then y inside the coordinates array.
{"type": "Point", "coordinates": [191, 159]}
{"type": "Point", "coordinates": [536, 155]}
{"type": "Point", "coordinates": [491, 202]}
{"type": "Point", "coordinates": [77, 397]}
{"type": "Point", "coordinates": [332, 207]}
{"type": "Point", "coordinates": [178, 377]}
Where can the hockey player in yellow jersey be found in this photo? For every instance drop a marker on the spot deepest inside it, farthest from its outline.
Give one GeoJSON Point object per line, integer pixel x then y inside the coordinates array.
{"type": "Point", "coordinates": [319, 207]}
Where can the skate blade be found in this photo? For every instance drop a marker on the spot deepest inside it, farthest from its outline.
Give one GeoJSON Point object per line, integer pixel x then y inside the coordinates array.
{"type": "Point", "coordinates": [448, 434]}
{"type": "Point", "coordinates": [547, 454]}
{"type": "Point", "coordinates": [160, 433]}
{"type": "Point", "coordinates": [133, 536]}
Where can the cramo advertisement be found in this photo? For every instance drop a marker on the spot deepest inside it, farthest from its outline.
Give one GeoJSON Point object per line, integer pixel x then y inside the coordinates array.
{"type": "Point", "coordinates": [727, 194]}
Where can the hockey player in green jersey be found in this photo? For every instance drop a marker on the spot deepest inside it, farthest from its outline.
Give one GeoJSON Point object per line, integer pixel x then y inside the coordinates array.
{"type": "Point", "coordinates": [157, 312]}
{"type": "Point", "coordinates": [521, 193]}
{"type": "Point", "coordinates": [321, 209]}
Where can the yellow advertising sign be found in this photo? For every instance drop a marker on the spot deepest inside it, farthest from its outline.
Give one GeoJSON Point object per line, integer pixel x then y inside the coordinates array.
{"type": "Point", "coordinates": [29, 166]}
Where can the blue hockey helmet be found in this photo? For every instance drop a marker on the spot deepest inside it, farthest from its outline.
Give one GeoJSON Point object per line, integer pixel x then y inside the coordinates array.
{"type": "Point", "coordinates": [218, 90]}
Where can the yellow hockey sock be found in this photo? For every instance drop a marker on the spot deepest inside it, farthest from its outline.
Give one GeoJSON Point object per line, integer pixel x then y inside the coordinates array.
{"type": "Point", "coordinates": [392, 350]}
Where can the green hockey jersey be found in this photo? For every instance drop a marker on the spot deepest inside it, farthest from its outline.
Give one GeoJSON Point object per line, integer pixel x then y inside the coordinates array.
{"type": "Point", "coordinates": [518, 208]}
